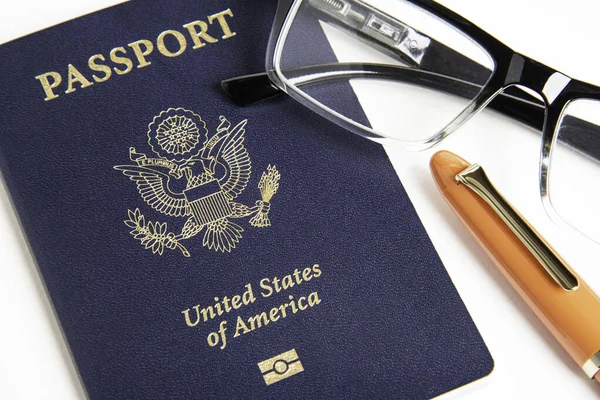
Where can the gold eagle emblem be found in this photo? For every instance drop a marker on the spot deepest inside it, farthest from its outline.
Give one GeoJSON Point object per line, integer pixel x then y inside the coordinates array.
{"type": "Point", "coordinates": [198, 177]}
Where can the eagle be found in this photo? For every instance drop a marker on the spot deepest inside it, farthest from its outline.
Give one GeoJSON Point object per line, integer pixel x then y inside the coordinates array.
{"type": "Point", "coordinates": [223, 166]}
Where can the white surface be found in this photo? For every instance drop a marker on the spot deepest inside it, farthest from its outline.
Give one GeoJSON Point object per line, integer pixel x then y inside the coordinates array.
{"type": "Point", "coordinates": [34, 362]}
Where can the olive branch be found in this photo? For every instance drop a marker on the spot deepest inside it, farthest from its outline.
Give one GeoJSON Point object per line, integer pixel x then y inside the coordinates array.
{"type": "Point", "coordinates": [153, 235]}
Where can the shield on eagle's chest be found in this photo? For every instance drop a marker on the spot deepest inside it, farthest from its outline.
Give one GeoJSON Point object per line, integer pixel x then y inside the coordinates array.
{"type": "Point", "coordinates": [208, 202]}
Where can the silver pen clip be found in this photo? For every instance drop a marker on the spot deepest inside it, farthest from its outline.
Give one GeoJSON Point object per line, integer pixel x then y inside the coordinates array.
{"type": "Point", "coordinates": [476, 179]}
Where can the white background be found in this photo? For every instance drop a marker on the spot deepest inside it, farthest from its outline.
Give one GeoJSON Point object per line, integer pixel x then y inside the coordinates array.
{"type": "Point", "coordinates": [35, 364]}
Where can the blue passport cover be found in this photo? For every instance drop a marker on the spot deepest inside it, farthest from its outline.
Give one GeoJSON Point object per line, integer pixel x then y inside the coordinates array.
{"type": "Point", "coordinates": [193, 249]}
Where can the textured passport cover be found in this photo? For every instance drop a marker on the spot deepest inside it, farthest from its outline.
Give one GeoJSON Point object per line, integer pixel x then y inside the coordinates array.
{"type": "Point", "coordinates": [274, 258]}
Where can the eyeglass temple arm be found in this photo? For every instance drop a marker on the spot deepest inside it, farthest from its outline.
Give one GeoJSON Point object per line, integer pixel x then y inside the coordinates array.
{"type": "Point", "coordinates": [246, 90]}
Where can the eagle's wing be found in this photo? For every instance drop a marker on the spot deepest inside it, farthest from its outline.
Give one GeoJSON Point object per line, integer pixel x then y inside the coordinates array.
{"type": "Point", "coordinates": [154, 188]}
{"type": "Point", "coordinates": [237, 159]}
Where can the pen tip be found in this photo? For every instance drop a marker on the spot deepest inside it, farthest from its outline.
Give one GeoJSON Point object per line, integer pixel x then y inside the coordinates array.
{"type": "Point", "coordinates": [444, 167]}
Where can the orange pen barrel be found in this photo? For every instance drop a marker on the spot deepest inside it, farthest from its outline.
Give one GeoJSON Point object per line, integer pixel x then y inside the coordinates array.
{"type": "Point", "coordinates": [572, 316]}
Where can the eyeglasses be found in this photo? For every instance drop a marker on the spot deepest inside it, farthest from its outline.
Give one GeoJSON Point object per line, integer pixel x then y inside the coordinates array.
{"type": "Point", "coordinates": [420, 71]}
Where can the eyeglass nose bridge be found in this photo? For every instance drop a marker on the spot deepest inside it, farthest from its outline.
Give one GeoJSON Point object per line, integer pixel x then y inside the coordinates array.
{"type": "Point", "coordinates": [543, 80]}
{"type": "Point", "coordinates": [548, 84]}
{"type": "Point", "coordinates": [522, 72]}
{"type": "Point", "coordinates": [526, 73]}
{"type": "Point", "coordinates": [491, 92]}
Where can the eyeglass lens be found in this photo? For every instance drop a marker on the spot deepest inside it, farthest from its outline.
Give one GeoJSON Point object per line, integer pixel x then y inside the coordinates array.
{"type": "Point", "coordinates": [574, 173]}
{"type": "Point", "coordinates": [412, 73]}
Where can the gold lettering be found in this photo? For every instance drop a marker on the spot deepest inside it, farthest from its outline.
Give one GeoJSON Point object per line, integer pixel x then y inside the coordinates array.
{"type": "Point", "coordinates": [94, 66]}
{"type": "Point", "coordinates": [313, 299]}
{"type": "Point", "coordinates": [218, 307]}
{"type": "Point", "coordinates": [188, 321]}
{"type": "Point", "coordinates": [297, 276]}
{"type": "Point", "coordinates": [213, 339]}
{"type": "Point", "coordinates": [264, 283]}
{"type": "Point", "coordinates": [226, 304]}
{"type": "Point", "coordinates": [273, 314]}
{"type": "Point", "coordinates": [300, 306]}
{"type": "Point", "coordinates": [163, 49]}
{"type": "Point", "coordinates": [240, 325]}
{"type": "Point", "coordinates": [316, 270]}
{"type": "Point", "coordinates": [236, 302]}
{"type": "Point", "coordinates": [208, 313]}
{"type": "Point", "coordinates": [293, 305]}
{"type": "Point", "coordinates": [276, 284]}
{"type": "Point", "coordinates": [307, 274]}
{"type": "Point", "coordinates": [48, 85]}
{"type": "Point", "coordinates": [102, 71]}
{"type": "Point", "coordinates": [258, 320]}
{"type": "Point", "coordinates": [76, 77]}
{"type": "Point", "coordinates": [283, 312]}
{"type": "Point", "coordinates": [196, 36]}
{"type": "Point", "coordinates": [287, 282]}
{"type": "Point", "coordinates": [222, 330]}
{"type": "Point", "coordinates": [142, 54]}
{"type": "Point", "coordinates": [121, 60]}
{"type": "Point", "coordinates": [223, 22]}
{"type": "Point", "coordinates": [248, 296]}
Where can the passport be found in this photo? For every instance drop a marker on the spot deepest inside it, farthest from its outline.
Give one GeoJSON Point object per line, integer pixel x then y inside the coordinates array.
{"type": "Point", "coordinates": [193, 249]}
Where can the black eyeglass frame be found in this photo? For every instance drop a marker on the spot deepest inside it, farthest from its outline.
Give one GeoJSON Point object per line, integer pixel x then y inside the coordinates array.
{"type": "Point", "coordinates": [512, 69]}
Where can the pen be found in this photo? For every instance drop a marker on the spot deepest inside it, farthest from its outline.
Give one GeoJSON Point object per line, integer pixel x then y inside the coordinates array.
{"type": "Point", "coordinates": [560, 299]}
